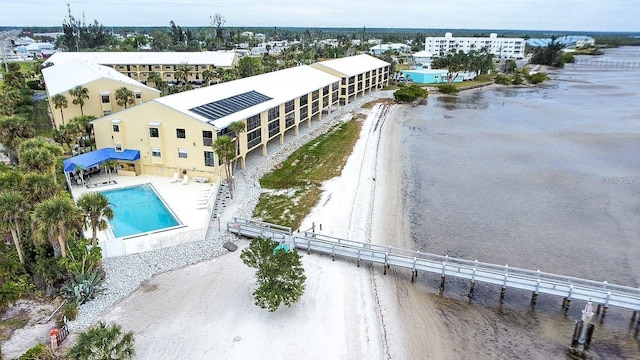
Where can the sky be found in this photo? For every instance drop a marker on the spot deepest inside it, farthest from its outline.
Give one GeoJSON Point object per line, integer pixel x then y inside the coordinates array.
{"type": "Point", "coordinates": [568, 15]}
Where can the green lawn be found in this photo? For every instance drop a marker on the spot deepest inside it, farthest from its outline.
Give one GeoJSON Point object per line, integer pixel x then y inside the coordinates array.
{"type": "Point", "coordinates": [294, 187]}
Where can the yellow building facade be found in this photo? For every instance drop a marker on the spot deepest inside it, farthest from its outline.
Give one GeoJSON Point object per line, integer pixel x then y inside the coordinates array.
{"type": "Point", "coordinates": [358, 75]}
{"type": "Point", "coordinates": [101, 84]}
{"type": "Point", "coordinates": [175, 133]}
{"type": "Point", "coordinates": [138, 65]}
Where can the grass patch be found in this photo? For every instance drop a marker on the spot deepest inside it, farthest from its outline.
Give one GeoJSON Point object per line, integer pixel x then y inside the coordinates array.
{"type": "Point", "coordinates": [373, 103]}
{"type": "Point", "coordinates": [295, 184]}
{"type": "Point", "coordinates": [40, 119]}
{"type": "Point", "coordinates": [8, 326]}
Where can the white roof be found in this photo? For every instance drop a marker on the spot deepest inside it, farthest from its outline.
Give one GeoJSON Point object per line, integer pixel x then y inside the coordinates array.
{"type": "Point", "coordinates": [69, 74]}
{"type": "Point", "coordinates": [422, 54]}
{"type": "Point", "coordinates": [281, 86]}
{"type": "Point", "coordinates": [354, 65]}
{"type": "Point", "coordinates": [217, 58]}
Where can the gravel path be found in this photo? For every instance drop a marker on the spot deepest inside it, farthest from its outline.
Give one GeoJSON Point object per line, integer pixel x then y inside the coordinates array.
{"type": "Point", "coordinates": [125, 274]}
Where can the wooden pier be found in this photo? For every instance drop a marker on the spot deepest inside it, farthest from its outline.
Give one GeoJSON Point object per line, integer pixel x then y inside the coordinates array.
{"type": "Point", "coordinates": [569, 288]}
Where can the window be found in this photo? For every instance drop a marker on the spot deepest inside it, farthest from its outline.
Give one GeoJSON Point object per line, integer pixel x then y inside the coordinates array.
{"type": "Point", "coordinates": [304, 99]}
{"type": "Point", "coordinates": [116, 128]}
{"type": "Point", "coordinates": [155, 152]}
{"type": "Point", "coordinates": [119, 147]}
{"type": "Point", "coordinates": [274, 128]}
{"type": "Point", "coordinates": [254, 138]}
{"type": "Point", "coordinates": [181, 133]}
{"type": "Point", "coordinates": [288, 107]}
{"type": "Point", "coordinates": [138, 95]}
{"type": "Point", "coordinates": [274, 113]}
{"type": "Point", "coordinates": [105, 99]}
{"type": "Point", "coordinates": [207, 138]}
{"type": "Point", "coordinates": [208, 158]}
{"type": "Point", "coordinates": [106, 112]}
{"type": "Point", "coordinates": [153, 132]}
{"type": "Point", "coordinates": [182, 153]}
{"type": "Point", "coordinates": [253, 122]}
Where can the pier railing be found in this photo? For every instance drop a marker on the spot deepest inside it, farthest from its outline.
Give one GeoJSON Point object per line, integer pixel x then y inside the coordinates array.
{"type": "Point", "coordinates": [536, 281]}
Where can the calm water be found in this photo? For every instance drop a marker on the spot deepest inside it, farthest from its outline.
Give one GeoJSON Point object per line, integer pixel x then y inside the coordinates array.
{"type": "Point", "coordinates": [138, 210]}
{"type": "Point", "coordinates": [541, 178]}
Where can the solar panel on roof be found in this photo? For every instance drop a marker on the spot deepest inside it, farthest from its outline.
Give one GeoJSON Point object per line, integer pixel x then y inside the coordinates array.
{"type": "Point", "coordinates": [221, 108]}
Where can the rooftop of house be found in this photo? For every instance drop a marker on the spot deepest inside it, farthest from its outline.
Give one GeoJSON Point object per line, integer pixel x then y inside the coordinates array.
{"type": "Point", "coordinates": [217, 58]}
{"type": "Point", "coordinates": [275, 87]}
{"type": "Point", "coordinates": [66, 75]}
{"type": "Point", "coordinates": [354, 65]}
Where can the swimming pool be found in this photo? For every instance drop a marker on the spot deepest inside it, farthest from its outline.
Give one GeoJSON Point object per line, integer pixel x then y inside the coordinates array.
{"type": "Point", "coordinates": [138, 210]}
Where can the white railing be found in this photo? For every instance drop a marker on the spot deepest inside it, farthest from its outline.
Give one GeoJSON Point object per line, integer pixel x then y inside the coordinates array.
{"type": "Point", "coordinates": [536, 281]}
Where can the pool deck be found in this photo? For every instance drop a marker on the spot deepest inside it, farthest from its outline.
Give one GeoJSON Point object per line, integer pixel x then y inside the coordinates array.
{"type": "Point", "coordinates": [185, 201]}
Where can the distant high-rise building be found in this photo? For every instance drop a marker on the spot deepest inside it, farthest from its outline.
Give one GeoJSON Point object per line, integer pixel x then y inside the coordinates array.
{"type": "Point", "coordinates": [499, 47]}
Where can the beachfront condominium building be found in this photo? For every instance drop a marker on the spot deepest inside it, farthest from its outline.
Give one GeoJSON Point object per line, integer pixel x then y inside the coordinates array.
{"type": "Point", "coordinates": [138, 65]}
{"type": "Point", "coordinates": [175, 133]}
{"type": "Point", "coordinates": [358, 75]}
{"type": "Point", "coordinates": [101, 84]}
{"type": "Point", "coordinates": [500, 47]}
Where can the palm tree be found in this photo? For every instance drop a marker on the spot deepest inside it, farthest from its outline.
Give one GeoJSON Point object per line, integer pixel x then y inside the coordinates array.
{"type": "Point", "coordinates": [13, 130]}
{"type": "Point", "coordinates": [110, 165]}
{"type": "Point", "coordinates": [102, 342]}
{"type": "Point", "coordinates": [80, 93]}
{"type": "Point", "coordinates": [12, 207]}
{"type": "Point", "coordinates": [182, 73]}
{"type": "Point", "coordinates": [38, 154]}
{"type": "Point", "coordinates": [226, 150]}
{"type": "Point", "coordinates": [157, 81]}
{"type": "Point", "coordinates": [65, 134]}
{"type": "Point", "coordinates": [60, 102]}
{"type": "Point", "coordinates": [37, 187]}
{"type": "Point", "coordinates": [207, 76]}
{"type": "Point", "coordinates": [237, 127]}
{"type": "Point", "coordinates": [52, 220]}
{"type": "Point", "coordinates": [84, 129]}
{"type": "Point", "coordinates": [97, 211]}
{"type": "Point", "coordinates": [125, 97]}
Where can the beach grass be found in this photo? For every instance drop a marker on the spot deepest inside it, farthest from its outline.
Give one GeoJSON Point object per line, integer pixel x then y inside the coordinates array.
{"type": "Point", "coordinates": [294, 187]}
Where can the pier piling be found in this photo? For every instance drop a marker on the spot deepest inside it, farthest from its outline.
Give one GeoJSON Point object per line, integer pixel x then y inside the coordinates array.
{"type": "Point", "coordinates": [471, 288]}
{"type": "Point", "coordinates": [502, 292]}
{"type": "Point", "coordinates": [441, 283]}
{"type": "Point", "coordinates": [534, 298]}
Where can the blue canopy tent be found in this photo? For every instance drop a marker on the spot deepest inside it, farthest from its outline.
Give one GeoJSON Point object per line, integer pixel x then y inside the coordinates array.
{"type": "Point", "coordinates": [97, 157]}
{"type": "Point", "coordinates": [90, 161]}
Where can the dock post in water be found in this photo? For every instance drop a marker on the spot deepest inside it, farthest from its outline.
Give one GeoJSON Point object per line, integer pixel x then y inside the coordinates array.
{"type": "Point", "coordinates": [358, 261]}
{"type": "Point", "coordinates": [472, 285]}
{"type": "Point", "coordinates": [414, 272]}
{"type": "Point", "coordinates": [605, 307]}
{"type": "Point", "coordinates": [567, 300]}
{"type": "Point", "coordinates": [534, 296]}
{"type": "Point", "coordinates": [504, 284]}
{"type": "Point", "coordinates": [442, 275]}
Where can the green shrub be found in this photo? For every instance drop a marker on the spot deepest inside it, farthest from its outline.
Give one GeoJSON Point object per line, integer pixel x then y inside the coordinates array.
{"type": "Point", "coordinates": [537, 78]}
{"type": "Point", "coordinates": [448, 89]}
{"type": "Point", "coordinates": [516, 79]}
{"type": "Point", "coordinates": [70, 311]}
{"type": "Point", "coordinates": [410, 93]}
{"type": "Point", "coordinates": [38, 352]}
{"type": "Point", "coordinates": [11, 291]}
{"type": "Point", "coordinates": [567, 58]}
{"type": "Point", "coordinates": [502, 80]}
{"type": "Point", "coordinates": [82, 287]}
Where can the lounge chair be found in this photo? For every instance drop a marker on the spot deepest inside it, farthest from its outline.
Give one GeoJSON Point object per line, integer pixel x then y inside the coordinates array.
{"type": "Point", "coordinates": [185, 180]}
{"type": "Point", "coordinates": [176, 177]}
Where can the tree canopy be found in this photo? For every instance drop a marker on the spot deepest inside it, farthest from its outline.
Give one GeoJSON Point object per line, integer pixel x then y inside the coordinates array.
{"type": "Point", "coordinates": [280, 277]}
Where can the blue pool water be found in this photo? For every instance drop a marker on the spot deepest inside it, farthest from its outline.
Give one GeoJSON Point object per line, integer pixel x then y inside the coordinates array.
{"type": "Point", "coordinates": [138, 210]}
